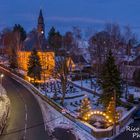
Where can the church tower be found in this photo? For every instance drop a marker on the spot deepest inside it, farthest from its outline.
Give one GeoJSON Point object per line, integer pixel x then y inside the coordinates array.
{"type": "Point", "coordinates": [41, 25]}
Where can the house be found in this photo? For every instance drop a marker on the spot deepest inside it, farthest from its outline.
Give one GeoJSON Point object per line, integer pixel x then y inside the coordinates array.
{"type": "Point", "coordinates": [77, 62]}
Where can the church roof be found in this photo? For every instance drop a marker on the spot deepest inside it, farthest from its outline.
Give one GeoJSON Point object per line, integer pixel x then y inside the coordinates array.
{"type": "Point", "coordinates": [40, 13]}
{"type": "Point", "coordinates": [40, 18]}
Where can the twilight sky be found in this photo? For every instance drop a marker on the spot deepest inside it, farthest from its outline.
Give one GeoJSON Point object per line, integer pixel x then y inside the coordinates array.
{"type": "Point", "coordinates": [64, 14]}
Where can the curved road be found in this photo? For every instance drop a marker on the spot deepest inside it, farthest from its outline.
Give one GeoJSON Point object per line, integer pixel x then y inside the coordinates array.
{"type": "Point", "coordinates": [25, 121]}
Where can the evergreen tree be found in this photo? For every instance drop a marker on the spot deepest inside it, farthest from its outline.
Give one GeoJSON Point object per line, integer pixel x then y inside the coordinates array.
{"type": "Point", "coordinates": [50, 36]}
{"type": "Point", "coordinates": [34, 66]}
{"type": "Point", "coordinates": [19, 36]}
{"type": "Point", "coordinates": [111, 111]}
{"type": "Point", "coordinates": [85, 107]}
{"type": "Point", "coordinates": [110, 80]}
{"type": "Point", "coordinates": [54, 39]}
{"type": "Point", "coordinates": [13, 59]}
{"type": "Point", "coordinates": [18, 29]}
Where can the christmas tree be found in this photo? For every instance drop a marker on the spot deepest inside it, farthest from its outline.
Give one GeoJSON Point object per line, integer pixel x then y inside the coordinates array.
{"type": "Point", "coordinates": [111, 111]}
{"type": "Point", "coordinates": [34, 66]}
{"type": "Point", "coordinates": [110, 80]}
{"type": "Point", "coordinates": [85, 107]}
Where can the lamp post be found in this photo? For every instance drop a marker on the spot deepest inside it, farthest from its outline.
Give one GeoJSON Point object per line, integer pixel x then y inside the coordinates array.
{"type": "Point", "coordinates": [1, 77]}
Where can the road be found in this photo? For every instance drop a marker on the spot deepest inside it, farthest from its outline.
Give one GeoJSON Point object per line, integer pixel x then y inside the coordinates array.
{"type": "Point", "coordinates": [26, 120]}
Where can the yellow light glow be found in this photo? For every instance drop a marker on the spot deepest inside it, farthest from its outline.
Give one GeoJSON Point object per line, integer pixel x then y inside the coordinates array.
{"type": "Point", "coordinates": [85, 118]}
{"type": "Point", "coordinates": [98, 112]}
{"type": "Point", "coordinates": [47, 65]}
{"type": "Point", "coordinates": [107, 117]}
{"type": "Point", "coordinates": [101, 113]}
{"type": "Point", "coordinates": [88, 115]}
{"type": "Point", "coordinates": [110, 121]}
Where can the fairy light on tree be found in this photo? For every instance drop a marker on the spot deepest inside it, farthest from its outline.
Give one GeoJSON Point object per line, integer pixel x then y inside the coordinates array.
{"type": "Point", "coordinates": [84, 108]}
{"type": "Point", "coordinates": [111, 111]}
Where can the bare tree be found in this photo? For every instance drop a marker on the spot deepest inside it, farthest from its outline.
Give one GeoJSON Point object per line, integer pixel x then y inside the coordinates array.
{"type": "Point", "coordinates": [61, 70]}
{"type": "Point", "coordinates": [99, 46]}
{"type": "Point", "coordinates": [68, 41]}
{"type": "Point", "coordinates": [115, 36]}
{"type": "Point", "coordinates": [130, 40]}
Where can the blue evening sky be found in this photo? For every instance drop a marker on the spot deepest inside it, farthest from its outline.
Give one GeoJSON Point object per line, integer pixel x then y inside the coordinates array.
{"type": "Point", "coordinates": [63, 14]}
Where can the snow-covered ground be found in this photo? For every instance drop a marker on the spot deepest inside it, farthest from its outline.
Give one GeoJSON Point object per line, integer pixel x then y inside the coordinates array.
{"type": "Point", "coordinates": [54, 119]}
{"type": "Point", "coordinates": [95, 87]}
{"type": "Point", "coordinates": [73, 98]}
{"type": "Point", "coordinates": [135, 91]}
{"type": "Point", "coordinates": [89, 84]}
{"type": "Point", "coordinates": [4, 106]}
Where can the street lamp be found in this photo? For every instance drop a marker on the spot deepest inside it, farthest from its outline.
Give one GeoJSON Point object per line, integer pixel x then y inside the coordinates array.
{"type": "Point", "coordinates": [42, 32]}
{"type": "Point", "coordinates": [1, 77]}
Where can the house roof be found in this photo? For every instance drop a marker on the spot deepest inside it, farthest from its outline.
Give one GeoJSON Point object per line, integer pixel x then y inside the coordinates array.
{"type": "Point", "coordinates": [78, 59]}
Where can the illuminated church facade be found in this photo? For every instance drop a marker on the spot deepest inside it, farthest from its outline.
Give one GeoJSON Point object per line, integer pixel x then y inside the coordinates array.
{"type": "Point", "coordinates": [36, 40]}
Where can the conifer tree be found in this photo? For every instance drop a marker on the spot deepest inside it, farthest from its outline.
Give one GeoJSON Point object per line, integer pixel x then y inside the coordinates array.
{"type": "Point", "coordinates": [13, 59]}
{"type": "Point", "coordinates": [19, 30]}
{"type": "Point", "coordinates": [111, 111]}
{"type": "Point", "coordinates": [85, 107]}
{"type": "Point", "coordinates": [34, 66]}
{"type": "Point", "coordinates": [51, 34]}
{"type": "Point", "coordinates": [19, 35]}
{"type": "Point", "coordinates": [110, 80]}
{"type": "Point", "coordinates": [54, 39]}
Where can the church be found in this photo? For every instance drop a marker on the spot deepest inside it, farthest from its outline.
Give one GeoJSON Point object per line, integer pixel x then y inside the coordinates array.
{"type": "Point", "coordinates": [36, 40]}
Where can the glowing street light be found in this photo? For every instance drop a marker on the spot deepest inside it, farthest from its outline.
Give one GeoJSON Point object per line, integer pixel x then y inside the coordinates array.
{"type": "Point", "coordinates": [42, 32]}
{"type": "Point", "coordinates": [1, 77]}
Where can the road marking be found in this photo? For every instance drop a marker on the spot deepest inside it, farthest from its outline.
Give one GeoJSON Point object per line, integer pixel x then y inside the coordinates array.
{"type": "Point", "coordinates": [26, 117]}
{"type": "Point", "coordinates": [45, 126]}
{"type": "Point", "coordinates": [25, 128]}
{"type": "Point", "coordinates": [25, 131]}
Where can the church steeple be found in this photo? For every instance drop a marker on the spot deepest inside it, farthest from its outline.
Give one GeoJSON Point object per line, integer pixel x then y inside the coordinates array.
{"type": "Point", "coordinates": [41, 25]}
